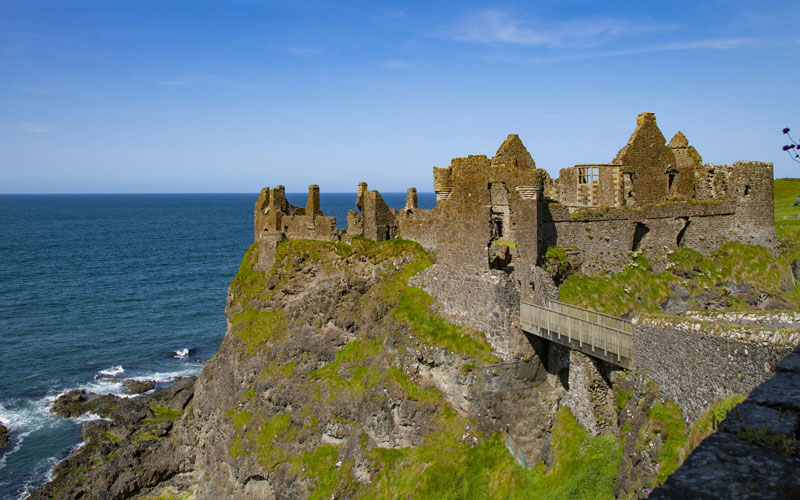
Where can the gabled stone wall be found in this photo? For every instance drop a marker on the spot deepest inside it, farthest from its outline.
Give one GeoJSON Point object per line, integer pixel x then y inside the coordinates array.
{"type": "Point", "coordinates": [653, 197]}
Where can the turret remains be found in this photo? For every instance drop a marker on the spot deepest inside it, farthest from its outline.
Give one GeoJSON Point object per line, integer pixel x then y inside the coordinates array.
{"type": "Point", "coordinates": [653, 196]}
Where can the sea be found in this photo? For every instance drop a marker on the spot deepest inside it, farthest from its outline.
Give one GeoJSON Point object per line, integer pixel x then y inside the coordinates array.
{"type": "Point", "coordinates": [96, 289]}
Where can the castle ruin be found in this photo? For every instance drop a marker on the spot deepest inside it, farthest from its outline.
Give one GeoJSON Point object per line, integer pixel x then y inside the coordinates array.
{"type": "Point", "coordinates": [653, 196]}
{"type": "Point", "coordinates": [496, 217]}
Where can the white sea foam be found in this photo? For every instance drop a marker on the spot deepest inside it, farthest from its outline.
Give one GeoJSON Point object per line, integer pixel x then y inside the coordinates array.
{"type": "Point", "coordinates": [112, 371]}
{"type": "Point", "coordinates": [181, 354]}
{"type": "Point", "coordinates": [22, 420]}
{"type": "Point", "coordinates": [42, 473]}
{"type": "Point", "coordinates": [89, 417]}
{"type": "Point", "coordinates": [26, 417]}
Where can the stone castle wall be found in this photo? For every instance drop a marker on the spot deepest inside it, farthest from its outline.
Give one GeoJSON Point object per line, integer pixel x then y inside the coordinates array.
{"type": "Point", "coordinates": [696, 369]}
{"type": "Point", "coordinates": [653, 197]}
{"type": "Point", "coordinates": [487, 302]}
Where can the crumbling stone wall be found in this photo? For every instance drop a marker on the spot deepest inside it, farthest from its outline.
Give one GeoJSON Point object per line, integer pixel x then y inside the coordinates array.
{"type": "Point", "coordinates": [687, 162]}
{"type": "Point", "coordinates": [590, 185]}
{"type": "Point", "coordinates": [377, 221]}
{"type": "Point", "coordinates": [647, 159]}
{"type": "Point", "coordinates": [605, 236]}
{"type": "Point", "coordinates": [488, 302]}
{"type": "Point", "coordinates": [276, 219]}
{"type": "Point", "coordinates": [480, 201]}
{"type": "Point", "coordinates": [418, 225]}
{"type": "Point", "coordinates": [654, 196]}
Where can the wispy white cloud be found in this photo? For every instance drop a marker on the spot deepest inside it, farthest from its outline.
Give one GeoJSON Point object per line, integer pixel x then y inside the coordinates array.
{"type": "Point", "coordinates": [35, 128]}
{"type": "Point", "coordinates": [503, 27]}
{"type": "Point", "coordinates": [702, 44]}
{"type": "Point", "coordinates": [197, 78]}
{"type": "Point", "coordinates": [302, 51]}
{"type": "Point", "coordinates": [398, 64]}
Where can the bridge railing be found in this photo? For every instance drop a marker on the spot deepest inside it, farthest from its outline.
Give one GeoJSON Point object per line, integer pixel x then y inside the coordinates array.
{"type": "Point", "coordinates": [591, 332]}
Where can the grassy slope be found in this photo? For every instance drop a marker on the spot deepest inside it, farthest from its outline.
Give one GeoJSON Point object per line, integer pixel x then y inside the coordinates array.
{"type": "Point", "coordinates": [446, 465]}
{"type": "Point", "coordinates": [637, 290]}
{"type": "Point", "coordinates": [787, 217]}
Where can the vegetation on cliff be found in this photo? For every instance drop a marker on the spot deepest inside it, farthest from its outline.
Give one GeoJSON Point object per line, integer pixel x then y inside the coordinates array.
{"type": "Point", "coordinates": [787, 216]}
{"type": "Point", "coordinates": [735, 277]}
{"type": "Point", "coordinates": [432, 449]}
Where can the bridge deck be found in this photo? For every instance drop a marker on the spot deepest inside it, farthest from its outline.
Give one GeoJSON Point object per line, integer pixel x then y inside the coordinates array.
{"type": "Point", "coordinates": [599, 335]}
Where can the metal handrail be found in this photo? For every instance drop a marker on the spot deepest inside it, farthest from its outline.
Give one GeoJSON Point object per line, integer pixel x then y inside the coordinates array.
{"type": "Point", "coordinates": [596, 330]}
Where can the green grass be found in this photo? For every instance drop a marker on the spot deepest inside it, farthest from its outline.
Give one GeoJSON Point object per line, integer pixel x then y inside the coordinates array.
{"type": "Point", "coordinates": [260, 438]}
{"type": "Point", "coordinates": [638, 290]}
{"type": "Point", "coordinates": [161, 415]}
{"type": "Point", "coordinates": [248, 282]}
{"type": "Point", "coordinates": [506, 243]}
{"type": "Point", "coordinates": [634, 289]}
{"type": "Point", "coordinates": [557, 253]}
{"type": "Point", "coordinates": [787, 217]}
{"type": "Point", "coordinates": [707, 422]}
{"type": "Point", "coordinates": [256, 327]}
{"type": "Point", "coordinates": [666, 419]}
{"type": "Point", "coordinates": [445, 467]}
{"type": "Point", "coordinates": [146, 436]}
{"type": "Point", "coordinates": [348, 371]}
{"type": "Point", "coordinates": [414, 308]}
{"type": "Point", "coordinates": [329, 480]}
{"type": "Point", "coordinates": [622, 399]}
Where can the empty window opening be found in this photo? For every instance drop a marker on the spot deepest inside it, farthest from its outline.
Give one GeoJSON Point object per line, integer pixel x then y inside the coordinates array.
{"type": "Point", "coordinates": [746, 189]}
{"type": "Point", "coordinates": [670, 180]}
{"type": "Point", "coordinates": [638, 235]}
{"type": "Point", "coordinates": [627, 183]}
{"type": "Point", "coordinates": [497, 228]}
{"type": "Point", "coordinates": [682, 232]}
{"type": "Point", "coordinates": [587, 175]}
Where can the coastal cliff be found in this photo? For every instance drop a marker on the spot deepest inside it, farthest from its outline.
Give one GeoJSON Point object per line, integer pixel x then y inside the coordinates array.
{"type": "Point", "coordinates": [337, 379]}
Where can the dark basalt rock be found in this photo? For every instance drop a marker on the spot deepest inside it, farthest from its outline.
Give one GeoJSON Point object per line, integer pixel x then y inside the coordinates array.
{"type": "Point", "coordinates": [4, 436]}
{"type": "Point", "coordinates": [126, 454]}
{"type": "Point", "coordinates": [71, 404]}
{"type": "Point", "coordinates": [133, 386]}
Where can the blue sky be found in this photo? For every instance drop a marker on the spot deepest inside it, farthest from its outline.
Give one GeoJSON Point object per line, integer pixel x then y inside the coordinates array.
{"type": "Point", "coordinates": [213, 96]}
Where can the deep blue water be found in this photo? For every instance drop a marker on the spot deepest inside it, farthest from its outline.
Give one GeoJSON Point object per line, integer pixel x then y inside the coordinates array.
{"type": "Point", "coordinates": [98, 288]}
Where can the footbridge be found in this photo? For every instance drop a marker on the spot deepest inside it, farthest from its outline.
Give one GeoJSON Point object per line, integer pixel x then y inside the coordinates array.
{"type": "Point", "coordinates": [599, 335]}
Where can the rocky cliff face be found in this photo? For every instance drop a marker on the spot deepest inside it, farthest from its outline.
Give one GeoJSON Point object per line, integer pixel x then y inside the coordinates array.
{"type": "Point", "coordinates": [337, 379]}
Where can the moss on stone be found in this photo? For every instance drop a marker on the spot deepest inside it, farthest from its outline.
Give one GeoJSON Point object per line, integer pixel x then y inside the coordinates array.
{"type": "Point", "coordinates": [764, 436]}
{"type": "Point", "coordinates": [161, 415]}
{"type": "Point", "coordinates": [449, 466]}
{"type": "Point", "coordinates": [255, 327]}
{"type": "Point", "coordinates": [666, 420]}
{"type": "Point", "coordinates": [330, 479]}
{"type": "Point", "coordinates": [707, 422]}
{"type": "Point", "coordinates": [637, 290]}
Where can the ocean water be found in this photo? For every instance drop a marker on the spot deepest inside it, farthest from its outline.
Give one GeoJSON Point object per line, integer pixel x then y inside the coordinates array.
{"type": "Point", "coordinates": [95, 289]}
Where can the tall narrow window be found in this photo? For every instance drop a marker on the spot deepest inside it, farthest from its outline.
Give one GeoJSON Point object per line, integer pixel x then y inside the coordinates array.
{"type": "Point", "coordinates": [587, 175]}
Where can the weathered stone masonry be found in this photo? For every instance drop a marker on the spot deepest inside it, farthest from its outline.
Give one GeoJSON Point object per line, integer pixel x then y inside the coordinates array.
{"type": "Point", "coordinates": [653, 196]}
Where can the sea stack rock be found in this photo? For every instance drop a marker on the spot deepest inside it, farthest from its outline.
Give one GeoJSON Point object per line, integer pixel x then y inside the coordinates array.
{"type": "Point", "coordinates": [4, 436]}
{"type": "Point", "coordinates": [133, 386]}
